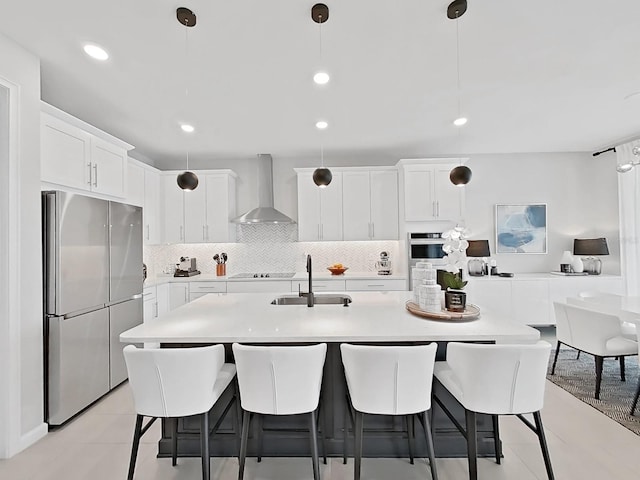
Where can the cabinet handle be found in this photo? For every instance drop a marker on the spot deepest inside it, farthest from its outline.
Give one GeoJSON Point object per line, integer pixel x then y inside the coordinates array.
{"type": "Point", "coordinates": [374, 285]}
{"type": "Point", "coordinates": [203, 234]}
{"type": "Point", "coordinates": [185, 295]}
{"type": "Point", "coordinates": [148, 231]}
{"type": "Point", "coordinates": [89, 176]}
{"type": "Point", "coordinates": [438, 208]}
{"type": "Point", "coordinates": [156, 310]}
{"type": "Point", "coordinates": [373, 230]}
{"type": "Point", "coordinates": [433, 209]}
{"type": "Point", "coordinates": [207, 232]}
{"type": "Point", "coordinates": [181, 232]}
{"type": "Point", "coordinates": [95, 177]}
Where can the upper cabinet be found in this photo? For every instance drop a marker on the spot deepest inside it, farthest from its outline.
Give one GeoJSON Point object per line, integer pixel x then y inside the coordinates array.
{"type": "Point", "coordinates": [319, 209]}
{"type": "Point", "coordinates": [202, 215]}
{"type": "Point", "coordinates": [143, 189]}
{"type": "Point", "coordinates": [428, 192]}
{"type": "Point", "coordinates": [370, 204]}
{"type": "Point", "coordinates": [79, 156]}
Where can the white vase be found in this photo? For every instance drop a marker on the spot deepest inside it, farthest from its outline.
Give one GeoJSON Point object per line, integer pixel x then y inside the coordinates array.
{"type": "Point", "coordinates": [576, 265]}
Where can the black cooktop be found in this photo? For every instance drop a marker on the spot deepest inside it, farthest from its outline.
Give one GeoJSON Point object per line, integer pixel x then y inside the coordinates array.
{"type": "Point", "coordinates": [263, 275]}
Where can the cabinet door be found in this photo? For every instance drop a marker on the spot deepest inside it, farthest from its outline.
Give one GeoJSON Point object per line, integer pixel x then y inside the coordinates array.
{"type": "Point", "coordinates": [419, 202]}
{"type": "Point", "coordinates": [108, 168]}
{"type": "Point", "coordinates": [531, 302]}
{"type": "Point", "coordinates": [308, 208]}
{"type": "Point", "coordinates": [384, 205]}
{"type": "Point", "coordinates": [151, 210]}
{"type": "Point", "coordinates": [162, 299]}
{"type": "Point", "coordinates": [135, 185]}
{"type": "Point", "coordinates": [331, 209]}
{"type": "Point", "coordinates": [178, 295]}
{"type": "Point", "coordinates": [492, 296]}
{"type": "Point", "coordinates": [218, 227]}
{"type": "Point", "coordinates": [448, 197]}
{"type": "Point", "coordinates": [64, 153]}
{"type": "Point", "coordinates": [195, 213]}
{"type": "Point", "coordinates": [173, 207]}
{"type": "Point", "coordinates": [356, 205]}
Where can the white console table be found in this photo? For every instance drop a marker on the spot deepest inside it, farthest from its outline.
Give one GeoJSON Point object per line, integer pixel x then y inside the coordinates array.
{"type": "Point", "coordinates": [527, 298]}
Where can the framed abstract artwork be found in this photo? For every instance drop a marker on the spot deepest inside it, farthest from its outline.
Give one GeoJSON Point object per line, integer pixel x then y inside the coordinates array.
{"type": "Point", "coordinates": [521, 228]}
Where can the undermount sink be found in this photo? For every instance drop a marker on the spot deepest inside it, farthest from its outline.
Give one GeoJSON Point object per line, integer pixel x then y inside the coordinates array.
{"type": "Point", "coordinates": [319, 299]}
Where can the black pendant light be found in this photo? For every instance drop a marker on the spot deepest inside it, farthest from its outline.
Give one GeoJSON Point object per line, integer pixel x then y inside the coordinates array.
{"type": "Point", "coordinates": [321, 176]}
{"type": "Point", "coordinates": [187, 180]}
{"type": "Point", "coordinates": [460, 175]}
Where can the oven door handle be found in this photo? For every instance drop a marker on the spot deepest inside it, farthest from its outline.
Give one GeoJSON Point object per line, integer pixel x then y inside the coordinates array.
{"type": "Point", "coordinates": [426, 241]}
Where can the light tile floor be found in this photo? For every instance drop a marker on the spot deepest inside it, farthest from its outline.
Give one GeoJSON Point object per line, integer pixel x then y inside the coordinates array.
{"type": "Point", "coordinates": [584, 444]}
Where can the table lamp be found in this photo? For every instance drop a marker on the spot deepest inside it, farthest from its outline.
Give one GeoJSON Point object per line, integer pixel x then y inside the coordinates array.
{"type": "Point", "coordinates": [591, 247]}
{"type": "Point", "coordinates": [478, 249]}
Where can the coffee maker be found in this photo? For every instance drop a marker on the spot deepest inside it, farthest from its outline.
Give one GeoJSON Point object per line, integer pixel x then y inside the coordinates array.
{"type": "Point", "coordinates": [384, 264]}
{"type": "Point", "coordinates": [186, 267]}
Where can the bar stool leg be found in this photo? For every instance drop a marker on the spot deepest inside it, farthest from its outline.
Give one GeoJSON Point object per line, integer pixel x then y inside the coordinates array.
{"type": "Point", "coordinates": [174, 441]}
{"type": "Point", "coordinates": [635, 399]}
{"type": "Point", "coordinates": [137, 433]}
{"type": "Point", "coordinates": [496, 439]}
{"type": "Point", "coordinates": [472, 445]}
{"type": "Point", "coordinates": [622, 376]}
{"type": "Point", "coordinates": [430, 450]}
{"type": "Point", "coordinates": [243, 443]}
{"type": "Point", "coordinates": [238, 415]}
{"type": "Point", "coordinates": [313, 436]}
{"type": "Point", "coordinates": [410, 434]}
{"type": "Point", "coordinates": [357, 454]}
{"type": "Point", "coordinates": [555, 358]}
{"type": "Point", "coordinates": [260, 435]}
{"type": "Point", "coordinates": [543, 445]}
{"type": "Point", "coordinates": [599, 361]}
{"type": "Point", "coordinates": [204, 446]}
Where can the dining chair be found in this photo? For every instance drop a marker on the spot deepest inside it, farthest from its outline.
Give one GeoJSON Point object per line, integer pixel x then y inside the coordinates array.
{"type": "Point", "coordinates": [495, 380]}
{"type": "Point", "coordinates": [593, 332]}
{"type": "Point", "coordinates": [279, 380]}
{"type": "Point", "coordinates": [608, 299]}
{"type": "Point", "coordinates": [390, 380]}
{"type": "Point", "coordinates": [177, 382]}
{"type": "Point", "coordinates": [635, 398]}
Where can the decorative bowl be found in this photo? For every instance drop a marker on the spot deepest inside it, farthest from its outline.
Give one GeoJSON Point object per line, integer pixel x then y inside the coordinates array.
{"type": "Point", "coordinates": [337, 271]}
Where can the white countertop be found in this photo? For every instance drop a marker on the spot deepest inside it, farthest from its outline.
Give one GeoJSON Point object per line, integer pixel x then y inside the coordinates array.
{"type": "Point", "coordinates": [539, 276]}
{"type": "Point", "coordinates": [372, 316]}
{"type": "Point", "coordinates": [209, 277]}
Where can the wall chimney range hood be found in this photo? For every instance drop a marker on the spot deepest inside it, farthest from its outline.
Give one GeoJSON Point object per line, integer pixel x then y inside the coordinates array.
{"type": "Point", "coordinates": [265, 213]}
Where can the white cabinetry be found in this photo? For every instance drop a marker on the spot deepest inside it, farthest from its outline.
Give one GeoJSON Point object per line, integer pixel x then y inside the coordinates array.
{"type": "Point", "coordinates": [162, 298]}
{"type": "Point", "coordinates": [201, 215]}
{"type": "Point", "coordinates": [151, 210]}
{"type": "Point", "coordinates": [258, 286]}
{"type": "Point", "coordinates": [178, 294]}
{"type": "Point", "coordinates": [149, 304]}
{"type": "Point", "coordinates": [135, 184]}
{"type": "Point", "coordinates": [318, 286]}
{"type": "Point", "coordinates": [370, 204]}
{"type": "Point", "coordinates": [200, 289]}
{"type": "Point", "coordinates": [428, 192]}
{"type": "Point", "coordinates": [382, 284]}
{"type": "Point", "coordinates": [79, 156]}
{"type": "Point", "coordinates": [528, 298]}
{"type": "Point", "coordinates": [319, 209]}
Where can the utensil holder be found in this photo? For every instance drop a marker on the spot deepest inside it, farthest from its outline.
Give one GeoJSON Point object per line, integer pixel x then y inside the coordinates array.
{"type": "Point", "coordinates": [221, 269]}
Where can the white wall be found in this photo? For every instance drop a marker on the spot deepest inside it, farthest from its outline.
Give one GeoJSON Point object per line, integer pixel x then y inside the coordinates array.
{"type": "Point", "coordinates": [581, 193]}
{"type": "Point", "coordinates": [21, 375]}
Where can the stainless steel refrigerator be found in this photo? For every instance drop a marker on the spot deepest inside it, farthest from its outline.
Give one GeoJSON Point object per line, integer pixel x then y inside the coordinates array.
{"type": "Point", "coordinates": [92, 252]}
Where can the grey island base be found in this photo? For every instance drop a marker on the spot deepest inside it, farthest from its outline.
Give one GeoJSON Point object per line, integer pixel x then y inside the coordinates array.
{"type": "Point", "coordinates": [371, 318]}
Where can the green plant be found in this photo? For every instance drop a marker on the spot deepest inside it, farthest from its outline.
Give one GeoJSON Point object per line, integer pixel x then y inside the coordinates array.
{"type": "Point", "coordinates": [454, 280]}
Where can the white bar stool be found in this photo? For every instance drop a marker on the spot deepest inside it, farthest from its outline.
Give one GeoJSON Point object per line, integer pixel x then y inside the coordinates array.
{"type": "Point", "coordinates": [496, 380]}
{"type": "Point", "coordinates": [393, 380]}
{"type": "Point", "coordinates": [177, 382]}
{"type": "Point", "coordinates": [277, 380]}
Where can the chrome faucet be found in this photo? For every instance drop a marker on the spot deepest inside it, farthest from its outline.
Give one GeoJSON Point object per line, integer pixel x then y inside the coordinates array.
{"type": "Point", "coordinates": [310, 297]}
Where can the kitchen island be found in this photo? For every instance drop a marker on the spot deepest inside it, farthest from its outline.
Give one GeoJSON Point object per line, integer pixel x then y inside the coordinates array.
{"type": "Point", "coordinates": [371, 317]}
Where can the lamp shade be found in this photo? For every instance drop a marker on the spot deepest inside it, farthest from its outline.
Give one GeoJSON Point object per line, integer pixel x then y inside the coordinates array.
{"type": "Point", "coordinates": [478, 248]}
{"type": "Point", "coordinates": [187, 181]}
{"type": "Point", "coordinates": [322, 177]}
{"type": "Point", "coordinates": [460, 175]}
{"type": "Point", "coordinates": [590, 246]}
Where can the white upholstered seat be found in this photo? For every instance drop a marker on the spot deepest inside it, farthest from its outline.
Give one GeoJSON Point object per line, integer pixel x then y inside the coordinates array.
{"type": "Point", "coordinates": [276, 380]}
{"type": "Point", "coordinates": [593, 332]}
{"type": "Point", "coordinates": [628, 329]}
{"type": "Point", "coordinates": [176, 382]}
{"type": "Point", "coordinates": [496, 380]}
{"type": "Point", "coordinates": [390, 380]}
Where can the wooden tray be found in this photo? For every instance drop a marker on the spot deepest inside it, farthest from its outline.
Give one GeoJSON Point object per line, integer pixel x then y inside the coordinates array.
{"type": "Point", "coordinates": [471, 312]}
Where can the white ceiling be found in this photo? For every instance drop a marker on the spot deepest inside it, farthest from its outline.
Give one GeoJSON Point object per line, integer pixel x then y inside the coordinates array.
{"type": "Point", "coordinates": [541, 76]}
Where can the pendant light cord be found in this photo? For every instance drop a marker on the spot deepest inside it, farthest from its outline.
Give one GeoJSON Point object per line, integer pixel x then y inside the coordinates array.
{"type": "Point", "coordinates": [320, 54]}
{"type": "Point", "coordinates": [458, 58]}
{"type": "Point", "coordinates": [186, 83]}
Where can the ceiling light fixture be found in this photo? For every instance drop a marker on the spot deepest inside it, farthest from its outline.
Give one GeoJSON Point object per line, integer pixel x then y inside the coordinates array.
{"type": "Point", "coordinates": [321, 176]}
{"type": "Point", "coordinates": [320, 14]}
{"type": "Point", "coordinates": [95, 51]}
{"type": "Point", "coordinates": [627, 167]}
{"type": "Point", "coordinates": [321, 78]}
{"type": "Point", "coordinates": [187, 128]}
{"type": "Point", "coordinates": [460, 175]}
{"type": "Point", "coordinates": [187, 180]}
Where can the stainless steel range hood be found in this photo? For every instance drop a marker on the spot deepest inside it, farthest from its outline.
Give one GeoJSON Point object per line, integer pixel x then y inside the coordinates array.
{"type": "Point", "coordinates": [264, 213]}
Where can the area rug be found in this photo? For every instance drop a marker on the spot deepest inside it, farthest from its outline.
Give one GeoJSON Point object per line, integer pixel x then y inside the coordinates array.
{"type": "Point", "coordinates": [578, 377]}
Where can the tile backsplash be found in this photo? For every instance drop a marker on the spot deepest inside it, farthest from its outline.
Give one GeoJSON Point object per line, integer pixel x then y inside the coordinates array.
{"type": "Point", "coordinates": [273, 248]}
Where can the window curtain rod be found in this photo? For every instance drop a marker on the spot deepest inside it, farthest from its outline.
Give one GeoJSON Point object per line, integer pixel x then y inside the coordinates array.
{"type": "Point", "coordinates": [610, 149]}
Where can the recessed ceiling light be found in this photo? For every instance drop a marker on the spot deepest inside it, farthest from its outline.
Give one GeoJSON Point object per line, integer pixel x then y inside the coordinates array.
{"type": "Point", "coordinates": [458, 122]}
{"type": "Point", "coordinates": [187, 128]}
{"type": "Point", "coordinates": [321, 124]}
{"type": "Point", "coordinates": [94, 51]}
{"type": "Point", "coordinates": [321, 78]}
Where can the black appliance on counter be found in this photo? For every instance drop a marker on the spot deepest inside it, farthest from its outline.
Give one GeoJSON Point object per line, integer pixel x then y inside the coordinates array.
{"type": "Point", "coordinates": [186, 268]}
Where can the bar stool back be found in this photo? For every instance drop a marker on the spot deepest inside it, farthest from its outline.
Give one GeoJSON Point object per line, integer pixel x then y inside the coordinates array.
{"type": "Point", "coordinates": [176, 382]}
{"type": "Point", "coordinates": [277, 380]}
{"type": "Point", "coordinates": [496, 380]}
{"type": "Point", "coordinates": [390, 380]}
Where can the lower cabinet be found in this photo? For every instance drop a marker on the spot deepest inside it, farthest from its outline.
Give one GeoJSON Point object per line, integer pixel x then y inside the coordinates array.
{"type": "Point", "coordinates": [259, 286]}
{"type": "Point", "coordinates": [200, 289]}
{"type": "Point", "coordinates": [318, 286]}
{"type": "Point", "coordinates": [178, 294]}
{"type": "Point", "coordinates": [528, 299]}
{"type": "Point", "coordinates": [162, 298]}
{"type": "Point", "coordinates": [149, 304]}
{"type": "Point", "coordinates": [383, 284]}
